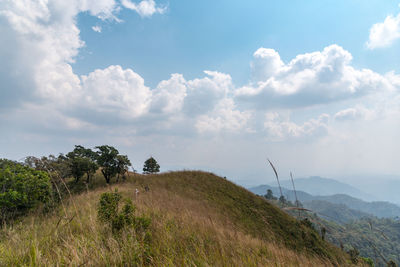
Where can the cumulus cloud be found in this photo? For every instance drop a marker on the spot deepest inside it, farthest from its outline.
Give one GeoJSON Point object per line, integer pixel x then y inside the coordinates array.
{"type": "Point", "coordinates": [204, 93]}
{"type": "Point", "coordinates": [279, 128]}
{"type": "Point", "coordinates": [115, 90]}
{"type": "Point", "coordinates": [385, 33]}
{"type": "Point", "coordinates": [169, 95]}
{"type": "Point", "coordinates": [266, 63]}
{"type": "Point", "coordinates": [145, 8]}
{"type": "Point", "coordinates": [41, 41]}
{"type": "Point", "coordinates": [225, 117]}
{"type": "Point", "coordinates": [308, 79]}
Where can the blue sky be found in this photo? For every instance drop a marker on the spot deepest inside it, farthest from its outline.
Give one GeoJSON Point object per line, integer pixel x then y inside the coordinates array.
{"type": "Point", "coordinates": [196, 35]}
{"type": "Point", "coordinates": [213, 85]}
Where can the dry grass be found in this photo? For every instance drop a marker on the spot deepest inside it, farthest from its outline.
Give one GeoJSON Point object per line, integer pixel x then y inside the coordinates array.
{"type": "Point", "coordinates": [185, 231]}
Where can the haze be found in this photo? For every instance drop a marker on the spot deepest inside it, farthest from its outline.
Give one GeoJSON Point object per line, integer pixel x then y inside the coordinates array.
{"type": "Point", "coordinates": [212, 85]}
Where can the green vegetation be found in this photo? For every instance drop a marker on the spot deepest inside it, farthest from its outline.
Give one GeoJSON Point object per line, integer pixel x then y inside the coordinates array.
{"type": "Point", "coordinates": [109, 213]}
{"type": "Point", "coordinates": [186, 218]}
{"type": "Point", "coordinates": [151, 166]}
{"type": "Point", "coordinates": [375, 238]}
{"type": "Point", "coordinates": [111, 162]}
{"type": "Point", "coordinates": [22, 189]}
{"type": "Point", "coordinates": [179, 218]}
{"type": "Point", "coordinates": [82, 161]}
{"type": "Point", "coordinates": [338, 213]}
{"type": "Point", "coordinates": [360, 234]}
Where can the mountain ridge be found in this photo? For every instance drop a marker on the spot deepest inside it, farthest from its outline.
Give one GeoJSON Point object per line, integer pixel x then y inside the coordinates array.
{"type": "Point", "coordinates": [375, 208]}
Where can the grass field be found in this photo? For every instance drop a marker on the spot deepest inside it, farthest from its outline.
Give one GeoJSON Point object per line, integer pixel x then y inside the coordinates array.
{"type": "Point", "coordinates": [197, 219]}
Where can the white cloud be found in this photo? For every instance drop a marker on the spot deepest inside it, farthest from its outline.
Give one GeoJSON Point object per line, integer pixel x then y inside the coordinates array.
{"type": "Point", "coordinates": [266, 63]}
{"type": "Point", "coordinates": [355, 113]}
{"type": "Point", "coordinates": [204, 93]}
{"type": "Point", "coordinates": [225, 117]}
{"type": "Point", "coordinates": [97, 28]}
{"type": "Point", "coordinates": [116, 91]}
{"type": "Point", "coordinates": [279, 128]}
{"type": "Point", "coordinates": [309, 79]}
{"type": "Point", "coordinates": [385, 33]}
{"type": "Point", "coordinates": [169, 95]}
{"type": "Point", "coordinates": [145, 8]}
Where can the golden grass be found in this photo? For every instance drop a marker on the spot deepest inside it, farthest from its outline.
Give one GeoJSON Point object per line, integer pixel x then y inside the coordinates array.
{"type": "Point", "coordinates": [184, 232]}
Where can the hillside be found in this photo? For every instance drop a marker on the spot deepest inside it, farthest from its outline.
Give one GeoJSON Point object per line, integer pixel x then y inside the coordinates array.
{"type": "Point", "coordinates": [375, 238]}
{"type": "Point", "coordinates": [197, 219]}
{"type": "Point", "coordinates": [338, 213]}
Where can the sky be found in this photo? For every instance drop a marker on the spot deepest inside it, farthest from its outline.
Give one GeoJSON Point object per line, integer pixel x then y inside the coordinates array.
{"type": "Point", "coordinates": [213, 85]}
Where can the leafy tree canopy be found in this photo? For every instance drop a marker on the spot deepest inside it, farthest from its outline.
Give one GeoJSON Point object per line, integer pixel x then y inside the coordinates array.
{"type": "Point", "coordinates": [151, 166]}
{"type": "Point", "coordinates": [111, 162]}
{"type": "Point", "coordinates": [82, 161]}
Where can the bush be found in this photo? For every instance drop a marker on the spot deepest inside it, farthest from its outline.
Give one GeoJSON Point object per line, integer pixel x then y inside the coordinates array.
{"type": "Point", "coordinates": [354, 254]}
{"type": "Point", "coordinates": [368, 261]}
{"type": "Point", "coordinates": [109, 213]}
{"type": "Point", "coordinates": [21, 189]}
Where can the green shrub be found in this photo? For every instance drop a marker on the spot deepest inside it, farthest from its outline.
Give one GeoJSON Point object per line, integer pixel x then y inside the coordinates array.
{"type": "Point", "coordinates": [21, 189]}
{"type": "Point", "coordinates": [109, 213]}
{"type": "Point", "coordinates": [368, 261]}
{"type": "Point", "coordinates": [108, 207]}
{"type": "Point", "coordinates": [354, 254]}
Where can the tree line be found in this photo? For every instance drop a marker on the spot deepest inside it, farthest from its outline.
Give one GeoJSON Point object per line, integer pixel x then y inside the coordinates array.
{"type": "Point", "coordinates": [41, 182]}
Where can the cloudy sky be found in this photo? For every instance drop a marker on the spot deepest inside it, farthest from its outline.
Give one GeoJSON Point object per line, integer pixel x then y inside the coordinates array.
{"type": "Point", "coordinates": [212, 85]}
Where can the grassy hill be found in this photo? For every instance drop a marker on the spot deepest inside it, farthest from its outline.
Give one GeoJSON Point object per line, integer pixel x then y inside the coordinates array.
{"type": "Point", "coordinates": [197, 219]}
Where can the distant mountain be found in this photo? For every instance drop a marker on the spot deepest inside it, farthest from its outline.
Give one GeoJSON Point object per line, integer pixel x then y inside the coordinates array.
{"type": "Point", "coordinates": [319, 186]}
{"type": "Point", "coordinates": [288, 194]}
{"type": "Point", "coordinates": [338, 213]}
{"type": "Point", "coordinates": [383, 187]}
{"type": "Point", "coordinates": [376, 208]}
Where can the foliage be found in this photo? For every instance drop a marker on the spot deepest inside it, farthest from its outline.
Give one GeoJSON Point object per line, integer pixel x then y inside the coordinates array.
{"type": "Point", "coordinates": [151, 166]}
{"type": "Point", "coordinates": [368, 261]}
{"type": "Point", "coordinates": [56, 167]}
{"type": "Point", "coordinates": [270, 195]}
{"type": "Point", "coordinates": [82, 161]}
{"type": "Point", "coordinates": [108, 212]}
{"type": "Point", "coordinates": [354, 254]}
{"type": "Point", "coordinates": [111, 162]}
{"type": "Point", "coordinates": [21, 189]}
{"type": "Point", "coordinates": [375, 238]}
{"type": "Point", "coordinates": [123, 164]}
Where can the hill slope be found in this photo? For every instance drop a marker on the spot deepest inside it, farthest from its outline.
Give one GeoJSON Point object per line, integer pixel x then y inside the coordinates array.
{"type": "Point", "coordinates": [197, 219]}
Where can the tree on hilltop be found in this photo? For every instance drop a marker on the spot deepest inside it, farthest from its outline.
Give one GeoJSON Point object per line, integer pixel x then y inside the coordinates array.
{"type": "Point", "coordinates": [111, 162]}
{"type": "Point", "coordinates": [82, 161]}
{"type": "Point", "coordinates": [151, 166]}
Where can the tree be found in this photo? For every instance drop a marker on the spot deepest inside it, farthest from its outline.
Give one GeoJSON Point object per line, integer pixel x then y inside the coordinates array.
{"type": "Point", "coordinates": [151, 166]}
{"type": "Point", "coordinates": [270, 195]}
{"type": "Point", "coordinates": [111, 162]}
{"type": "Point", "coordinates": [21, 189]}
{"type": "Point", "coordinates": [82, 161]}
{"type": "Point", "coordinates": [282, 200]}
{"type": "Point", "coordinates": [56, 167]}
{"type": "Point", "coordinates": [123, 165]}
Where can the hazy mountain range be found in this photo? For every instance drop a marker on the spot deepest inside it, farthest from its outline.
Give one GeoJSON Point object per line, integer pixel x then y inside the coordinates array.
{"type": "Point", "coordinates": [322, 195]}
